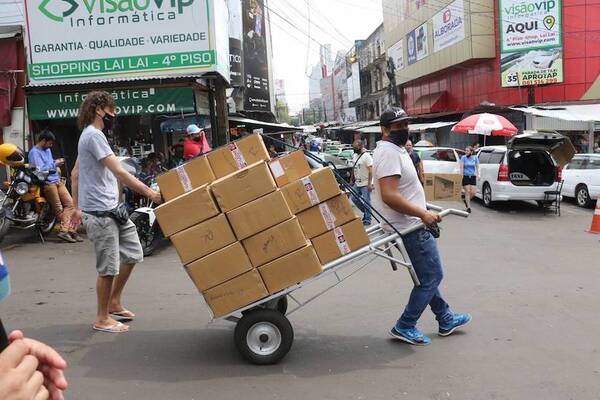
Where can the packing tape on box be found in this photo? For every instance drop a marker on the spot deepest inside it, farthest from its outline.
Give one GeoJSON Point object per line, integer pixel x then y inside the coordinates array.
{"type": "Point", "coordinates": [340, 239]}
{"type": "Point", "coordinates": [186, 183]}
{"type": "Point", "coordinates": [237, 156]}
{"type": "Point", "coordinates": [277, 169]}
{"type": "Point", "coordinates": [327, 215]}
{"type": "Point", "coordinates": [310, 191]}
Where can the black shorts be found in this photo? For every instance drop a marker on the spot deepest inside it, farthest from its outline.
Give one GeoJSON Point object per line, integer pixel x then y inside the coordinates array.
{"type": "Point", "coordinates": [469, 180]}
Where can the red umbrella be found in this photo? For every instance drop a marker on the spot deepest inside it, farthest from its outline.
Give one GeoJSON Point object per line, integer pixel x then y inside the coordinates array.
{"type": "Point", "coordinates": [485, 124]}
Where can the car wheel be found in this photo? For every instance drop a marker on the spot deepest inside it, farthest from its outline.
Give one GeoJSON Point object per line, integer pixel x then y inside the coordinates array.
{"type": "Point", "coordinates": [487, 195]}
{"type": "Point", "coordinates": [582, 196]}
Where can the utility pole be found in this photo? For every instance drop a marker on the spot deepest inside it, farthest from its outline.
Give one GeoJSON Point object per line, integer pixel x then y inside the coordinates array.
{"type": "Point", "coordinates": [221, 128]}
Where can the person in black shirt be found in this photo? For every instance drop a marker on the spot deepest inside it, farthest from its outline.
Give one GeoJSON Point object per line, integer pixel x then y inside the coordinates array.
{"type": "Point", "coordinates": [417, 162]}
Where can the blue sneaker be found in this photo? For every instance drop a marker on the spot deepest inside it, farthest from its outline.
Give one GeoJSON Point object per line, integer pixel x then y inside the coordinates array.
{"type": "Point", "coordinates": [410, 335]}
{"type": "Point", "coordinates": [458, 320]}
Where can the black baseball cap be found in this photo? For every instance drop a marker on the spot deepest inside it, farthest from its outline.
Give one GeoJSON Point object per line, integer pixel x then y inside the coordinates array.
{"type": "Point", "coordinates": [391, 115]}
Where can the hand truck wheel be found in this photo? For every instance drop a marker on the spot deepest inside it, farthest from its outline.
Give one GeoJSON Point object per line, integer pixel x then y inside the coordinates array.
{"type": "Point", "coordinates": [264, 336]}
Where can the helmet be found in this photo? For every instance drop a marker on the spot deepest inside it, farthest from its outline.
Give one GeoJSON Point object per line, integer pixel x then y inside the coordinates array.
{"type": "Point", "coordinates": [11, 155]}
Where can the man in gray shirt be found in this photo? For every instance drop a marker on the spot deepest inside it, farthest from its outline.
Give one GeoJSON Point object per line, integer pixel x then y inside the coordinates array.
{"type": "Point", "coordinates": [95, 180]}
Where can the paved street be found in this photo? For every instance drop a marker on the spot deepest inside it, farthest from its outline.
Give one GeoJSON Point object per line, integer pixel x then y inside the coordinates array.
{"type": "Point", "coordinates": [530, 280]}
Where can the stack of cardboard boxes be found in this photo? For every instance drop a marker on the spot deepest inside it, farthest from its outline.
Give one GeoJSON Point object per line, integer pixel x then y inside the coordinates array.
{"type": "Point", "coordinates": [245, 227]}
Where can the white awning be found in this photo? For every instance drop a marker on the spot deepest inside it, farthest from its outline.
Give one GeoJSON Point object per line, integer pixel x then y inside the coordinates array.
{"type": "Point", "coordinates": [411, 127]}
{"type": "Point", "coordinates": [249, 121]}
{"type": "Point", "coordinates": [581, 112]}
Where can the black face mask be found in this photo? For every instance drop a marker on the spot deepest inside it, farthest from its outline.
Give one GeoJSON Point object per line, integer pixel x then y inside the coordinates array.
{"type": "Point", "coordinates": [356, 151]}
{"type": "Point", "coordinates": [399, 137]}
{"type": "Point", "coordinates": [196, 138]}
{"type": "Point", "coordinates": [109, 121]}
{"type": "Point", "coordinates": [468, 155]}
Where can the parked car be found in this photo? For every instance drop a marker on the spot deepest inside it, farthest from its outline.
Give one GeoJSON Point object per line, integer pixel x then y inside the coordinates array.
{"type": "Point", "coordinates": [582, 179]}
{"type": "Point", "coordinates": [530, 165]}
{"type": "Point", "coordinates": [344, 170]}
{"type": "Point", "coordinates": [440, 160]}
{"type": "Point", "coordinates": [346, 153]}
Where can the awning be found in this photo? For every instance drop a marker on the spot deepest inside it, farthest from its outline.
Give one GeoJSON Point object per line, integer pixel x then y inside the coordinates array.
{"type": "Point", "coordinates": [411, 127]}
{"type": "Point", "coordinates": [357, 125]}
{"type": "Point", "coordinates": [254, 122]}
{"type": "Point", "coordinates": [430, 101]}
{"type": "Point", "coordinates": [581, 113]}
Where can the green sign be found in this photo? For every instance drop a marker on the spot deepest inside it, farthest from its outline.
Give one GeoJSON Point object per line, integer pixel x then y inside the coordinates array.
{"type": "Point", "coordinates": [129, 102]}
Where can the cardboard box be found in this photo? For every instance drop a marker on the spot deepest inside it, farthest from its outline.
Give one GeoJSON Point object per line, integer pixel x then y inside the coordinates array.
{"type": "Point", "coordinates": [219, 267]}
{"type": "Point", "coordinates": [235, 293]}
{"type": "Point", "coordinates": [243, 186]}
{"type": "Point", "coordinates": [202, 239]}
{"type": "Point", "coordinates": [340, 241]}
{"type": "Point", "coordinates": [290, 269]}
{"type": "Point", "coordinates": [237, 155]}
{"type": "Point", "coordinates": [326, 216]}
{"type": "Point", "coordinates": [185, 178]}
{"type": "Point", "coordinates": [186, 210]}
{"type": "Point", "coordinates": [274, 242]}
{"type": "Point", "coordinates": [289, 168]}
{"type": "Point", "coordinates": [443, 186]}
{"type": "Point", "coordinates": [311, 190]}
{"type": "Point", "coordinates": [259, 215]}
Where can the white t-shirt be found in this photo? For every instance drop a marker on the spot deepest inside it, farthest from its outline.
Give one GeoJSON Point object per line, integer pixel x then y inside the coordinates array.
{"type": "Point", "coordinates": [361, 168]}
{"type": "Point", "coordinates": [391, 160]}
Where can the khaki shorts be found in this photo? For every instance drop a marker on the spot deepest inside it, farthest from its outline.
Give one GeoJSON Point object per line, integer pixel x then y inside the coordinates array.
{"type": "Point", "coordinates": [114, 244]}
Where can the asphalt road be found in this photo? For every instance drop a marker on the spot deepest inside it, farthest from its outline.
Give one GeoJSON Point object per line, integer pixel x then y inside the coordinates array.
{"type": "Point", "coordinates": [531, 281]}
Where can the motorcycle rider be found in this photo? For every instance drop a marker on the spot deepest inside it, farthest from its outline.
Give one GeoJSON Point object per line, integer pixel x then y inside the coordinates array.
{"type": "Point", "coordinates": [55, 191]}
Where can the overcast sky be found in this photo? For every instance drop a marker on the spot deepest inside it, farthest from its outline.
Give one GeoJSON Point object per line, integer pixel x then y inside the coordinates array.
{"type": "Point", "coordinates": [338, 22]}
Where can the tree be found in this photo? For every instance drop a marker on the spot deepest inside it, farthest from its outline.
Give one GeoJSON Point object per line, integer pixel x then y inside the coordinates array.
{"type": "Point", "coordinates": [281, 109]}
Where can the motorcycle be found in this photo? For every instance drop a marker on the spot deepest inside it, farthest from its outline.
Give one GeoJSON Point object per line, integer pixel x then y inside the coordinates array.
{"type": "Point", "coordinates": [23, 206]}
{"type": "Point", "coordinates": [142, 209]}
{"type": "Point", "coordinates": [146, 223]}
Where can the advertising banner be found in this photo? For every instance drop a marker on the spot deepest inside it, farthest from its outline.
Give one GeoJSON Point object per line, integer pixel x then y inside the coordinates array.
{"type": "Point", "coordinates": [396, 53]}
{"type": "Point", "coordinates": [129, 102]}
{"type": "Point", "coordinates": [83, 40]}
{"type": "Point", "coordinates": [449, 26]}
{"type": "Point", "coordinates": [236, 55]}
{"type": "Point", "coordinates": [530, 42]}
{"type": "Point", "coordinates": [416, 44]}
{"type": "Point", "coordinates": [535, 67]}
{"type": "Point", "coordinates": [530, 24]}
{"type": "Point", "coordinates": [256, 64]}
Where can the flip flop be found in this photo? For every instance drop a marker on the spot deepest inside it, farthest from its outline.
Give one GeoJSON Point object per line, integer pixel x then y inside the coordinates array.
{"type": "Point", "coordinates": [123, 315]}
{"type": "Point", "coordinates": [115, 328]}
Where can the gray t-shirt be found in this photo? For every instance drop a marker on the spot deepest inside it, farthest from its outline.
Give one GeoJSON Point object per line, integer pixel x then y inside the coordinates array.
{"type": "Point", "coordinates": [391, 160]}
{"type": "Point", "coordinates": [98, 187]}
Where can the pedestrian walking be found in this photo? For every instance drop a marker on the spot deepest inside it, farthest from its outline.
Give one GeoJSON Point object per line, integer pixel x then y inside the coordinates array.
{"type": "Point", "coordinates": [417, 162]}
{"type": "Point", "coordinates": [469, 169]}
{"type": "Point", "coordinates": [362, 168]}
{"type": "Point", "coordinates": [96, 177]}
{"type": "Point", "coordinates": [401, 199]}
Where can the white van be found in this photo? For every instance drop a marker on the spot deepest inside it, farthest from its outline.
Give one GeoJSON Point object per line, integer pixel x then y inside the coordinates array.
{"type": "Point", "coordinates": [525, 169]}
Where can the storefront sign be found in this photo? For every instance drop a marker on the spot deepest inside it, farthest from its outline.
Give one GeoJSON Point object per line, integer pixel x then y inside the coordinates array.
{"type": "Point", "coordinates": [396, 53]}
{"type": "Point", "coordinates": [535, 67]}
{"type": "Point", "coordinates": [449, 26]}
{"type": "Point", "coordinates": [83, 40]}
{"type": "Point", "coordinates": [530, 42]}
{"type": "Point", "coordinates": [416, 44]}
{"type": "Point", "coordinates": [129, 102]}
{"type": "Point", "coordinates": [257, 96]}
{"type": "Point", "coordinates": [530, 24]}
{"type": "Point", "coordinates": [236, 54]}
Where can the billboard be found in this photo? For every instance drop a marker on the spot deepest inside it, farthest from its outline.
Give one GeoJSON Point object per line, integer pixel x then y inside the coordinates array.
{"type": "Point", "coordinates": [417, 47]}
{"type": "Point", "coordinates": [256, 64]}
{"type": "Point", "coordinates": [448, 26]}
{"type": "Point", "coordinates": [236, 54]}
{"type": "Point", "coordinates": [396, 53]}
{"type": "Point", "coordinates": [82, 41]}
{"type": "Point", "coordinates": [530, 42]}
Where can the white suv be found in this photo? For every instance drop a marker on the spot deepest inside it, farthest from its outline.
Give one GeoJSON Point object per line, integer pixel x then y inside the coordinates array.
{"type": "Point", "coordinates": [530, 165]}
{"type": "Point", "coordinates": [440, 160]}
{"type": "Point", "coordinates": [582, 179]}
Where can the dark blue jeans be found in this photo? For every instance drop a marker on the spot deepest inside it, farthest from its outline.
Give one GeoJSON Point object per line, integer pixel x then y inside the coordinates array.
{"type": "Point", "coordinates": [363, 192]}
{"type": "Point", "coordinates": [423, 252]}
